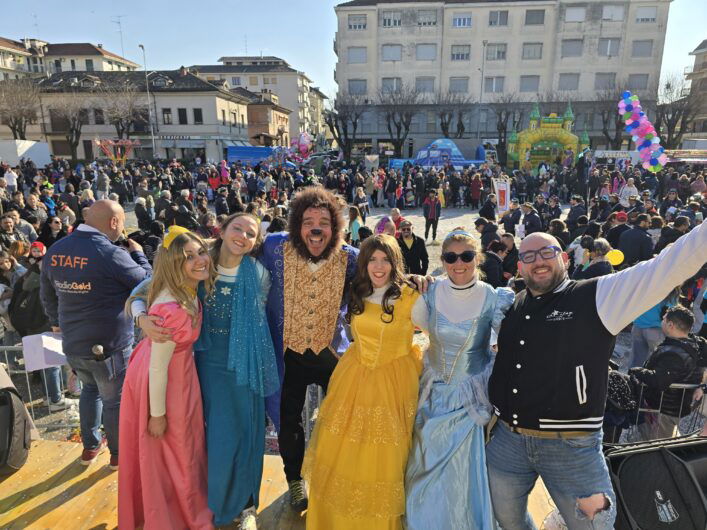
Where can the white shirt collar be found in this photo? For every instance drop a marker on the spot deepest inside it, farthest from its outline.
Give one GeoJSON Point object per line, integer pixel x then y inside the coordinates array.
{"type": "Point", "coordinates": [87, 228]}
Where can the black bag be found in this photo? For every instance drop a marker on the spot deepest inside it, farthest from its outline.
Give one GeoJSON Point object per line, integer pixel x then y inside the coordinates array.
{"type": "Point", "coordinates": [660, 484]}
{"type": "Point", "coordinates": [26, 311]}
{"type": "Point", "coordinates": [15, 432]}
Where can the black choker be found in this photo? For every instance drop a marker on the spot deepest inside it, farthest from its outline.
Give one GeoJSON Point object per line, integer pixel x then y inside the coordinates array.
{"type": "Point", "coordinates": [463, 288]}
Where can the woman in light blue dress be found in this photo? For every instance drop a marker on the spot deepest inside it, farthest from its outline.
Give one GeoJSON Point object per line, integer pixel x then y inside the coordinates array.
{"type": "Point", "coordinates": [446, 483]}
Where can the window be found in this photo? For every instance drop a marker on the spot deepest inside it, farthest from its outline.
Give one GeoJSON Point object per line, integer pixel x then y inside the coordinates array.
{"type": "Point", "coordinates": [182, 116]}
{"type": "Point", "coordinates": [609, 47]}
{"type": "Point", "coordinates": [198, 117]}
{"type": "Point", "coordinates": [167, 116]}
{"type": "Point", "coordinates": [483, 119]}
{"type": "Point", "coordinates": [615, 13]}
{"type": "Point", "coordinates": [391, 19]}
{"type": "Point", "coordinates": [357, 22]}
{"type": "Point", "coordinates": [642, 48]}
{"type": "Point", "coordinates": [426, 52]}
{"type": "Point", "coordinates": [496, 52]}
{"type": "Point", "coordinates": [236, 81]}
{"type": "Point", "coordinates": [391, 84]}
{"type": "Point", "coordinates": [575, 14]}
{"type": "Point", "coordinates": [462, 21]}
{"type": "Point", "coordinates": [57, 65]}
{"type": "Point", "coordinates": [532, 50]}
{"type": "Point", "coordinates": [603, 81]}
{"type": "Point", "coordinates": [535, 17]}
{"type": "Point", "coordinates": [357, 87]}
{"type": "Point", "coordinates": [425, 85]}
{"type": "Point", "coordinates": [461, 52]}
{"type": "Point", "coordinates": [98, 117]}
{"type": "Point", "coordinates": [89, 65]}
{"type": "Point", "coordinates": [568, 82]}
{"type": "Point", "coordinates": [73, 65]}
{"type": "Point", "coordinates": [273, 80]}
{"type": "Point", "coordinates": [498, 18]}
{"type": "Point", "coordinates": [494, 84]}
{"type": "Point", "coordinates": [638, 81]}
{"type": "Point", "coordinates": [392, 52]}
{"type": "Point", "coordinates": [529, 83]}
{"type": "Point", "coordinates": [253, 80]}
{"type": "Point", "coordinates": [572, 47]}
{"type": "Point", "coordinates": [459, 85]}
{"type": "Point", "coordinates": [646, 14]}
{"type": "Point", "coordinates": [426, 17]}
{"type": "Point", "coordinates": [223, 116]}
{"type": "Point", "coordinates": [358, 55]}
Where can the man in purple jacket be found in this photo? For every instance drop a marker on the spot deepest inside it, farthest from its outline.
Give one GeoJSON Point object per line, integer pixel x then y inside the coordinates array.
{"type": "Point", "coordinates": [85, 282]}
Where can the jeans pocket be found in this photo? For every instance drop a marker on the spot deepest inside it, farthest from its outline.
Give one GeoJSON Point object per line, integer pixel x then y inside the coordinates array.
{"type": "Point", "coordinates": [583, 442]}
{"type": "Point", "coordinates": [107, 367]}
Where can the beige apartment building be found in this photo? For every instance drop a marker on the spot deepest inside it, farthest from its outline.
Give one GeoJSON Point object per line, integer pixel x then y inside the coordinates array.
{"type": "Point", "coordinates": [190, 117]}
{"type": "Point", "coordinates": [292, 87]}
{"type": "Point", "coordinates": [268, 121]}
{"type": "Point", "coordinates": [20, 58]}
{"type": "Point", "coordinates": [487, 51]}
{"type": "Point", "coordinates": [697, 75]}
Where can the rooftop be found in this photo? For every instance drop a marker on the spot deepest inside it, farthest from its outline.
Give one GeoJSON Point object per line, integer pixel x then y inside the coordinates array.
{"type": "Point", "coordinates": [368, 3]}
{"type": "Point", "coordinates": [701, 48]}
{"type": "Point", "coordinates": [160, 81]}
{"type": "Point", "coordinates": [13, 45]}
{"type": "Point", "coordinates": [259, 99]}
{"type": "Point", "coordinates": [83, 48]}
{"type": "Point", "coordinates": [241, 68]}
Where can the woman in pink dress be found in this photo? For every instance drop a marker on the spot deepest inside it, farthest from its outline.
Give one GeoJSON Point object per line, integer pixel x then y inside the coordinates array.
{"type": "Point", "coordinates": [162, 480]}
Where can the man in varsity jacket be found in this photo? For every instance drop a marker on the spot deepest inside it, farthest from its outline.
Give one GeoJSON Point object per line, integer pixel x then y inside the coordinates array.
{"type": "Point", "coordinates": [549, 381]}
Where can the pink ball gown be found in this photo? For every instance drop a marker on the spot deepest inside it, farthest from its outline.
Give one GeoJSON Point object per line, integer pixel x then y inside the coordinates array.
{"type": "Point", "coordinates": [162, 481]}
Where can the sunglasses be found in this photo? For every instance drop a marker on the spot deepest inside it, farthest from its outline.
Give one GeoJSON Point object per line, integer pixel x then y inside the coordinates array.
{"type": "Point", "coordinates": [451, 257]}
{"type": "Point", "coordinates": [548, 252]}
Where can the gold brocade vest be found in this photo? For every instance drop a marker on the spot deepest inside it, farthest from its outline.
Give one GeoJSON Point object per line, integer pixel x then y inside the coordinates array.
{"type": "Point", "coordinates": [312, 300]}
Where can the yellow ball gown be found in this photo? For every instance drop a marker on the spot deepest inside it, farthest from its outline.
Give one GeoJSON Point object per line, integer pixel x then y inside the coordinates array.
{"type": "Point", "coordinates": [355, 462]}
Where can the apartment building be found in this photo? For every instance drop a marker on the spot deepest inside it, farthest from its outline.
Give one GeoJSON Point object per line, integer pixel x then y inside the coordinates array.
{"type": "Point", "coordinates": [291, 86]}
{"type": "Point", "coordinates": [190, 117]}
{"type": "Point", "coordinates": [697, 75]}
{"type": "Point", "coordinates": [268, 121]}
{"type": "Point", "coordinates": [524, 50]}
{"type": "Point", "coordinates": [33, 56]}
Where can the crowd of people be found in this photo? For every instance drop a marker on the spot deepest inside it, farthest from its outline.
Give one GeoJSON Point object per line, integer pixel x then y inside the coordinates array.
{"type": "Point", "coordinates": [251, 283]}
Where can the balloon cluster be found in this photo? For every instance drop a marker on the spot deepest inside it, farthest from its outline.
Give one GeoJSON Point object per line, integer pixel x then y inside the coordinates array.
{"type": "Point", "coordinates": [301, 147]}
{"type": "Point", "coordinates": [642, 133]}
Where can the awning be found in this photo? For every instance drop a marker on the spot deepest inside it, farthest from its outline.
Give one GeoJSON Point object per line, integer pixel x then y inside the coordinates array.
{"type": "Point", "coordinates": [183, 144]}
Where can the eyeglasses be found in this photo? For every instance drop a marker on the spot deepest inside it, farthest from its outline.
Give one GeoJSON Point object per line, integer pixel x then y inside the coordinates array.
{"type": "Point", "coordinates": [548, 252]}
{"type": "Point", "coordinates": [451, 257]}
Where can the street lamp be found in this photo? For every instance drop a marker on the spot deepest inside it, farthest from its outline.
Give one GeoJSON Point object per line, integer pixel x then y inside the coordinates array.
{"type": "Point", "coordinates": [149, 106]}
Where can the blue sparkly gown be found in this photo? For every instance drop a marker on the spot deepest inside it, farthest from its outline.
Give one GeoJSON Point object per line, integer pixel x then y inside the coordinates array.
{"type": "Point", "coordinates": [234, 414]}
{"type": "Point", "coordinates": [446, 483]}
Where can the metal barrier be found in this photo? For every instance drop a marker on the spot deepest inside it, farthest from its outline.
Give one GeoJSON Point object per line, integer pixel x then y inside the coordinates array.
{"type": "Point", "coordinates": [5, 350]}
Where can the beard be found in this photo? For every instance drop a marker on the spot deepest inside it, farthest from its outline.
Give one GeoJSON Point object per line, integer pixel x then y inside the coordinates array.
{"type": "Point", "coordinates": [544, 286]}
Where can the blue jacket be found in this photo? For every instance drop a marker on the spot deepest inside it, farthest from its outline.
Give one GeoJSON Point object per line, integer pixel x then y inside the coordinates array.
{"type": "Point", "coordinates": [85, 282]}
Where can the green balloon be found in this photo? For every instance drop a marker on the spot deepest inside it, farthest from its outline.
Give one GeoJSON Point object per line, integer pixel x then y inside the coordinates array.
{"type": "Point", "coordinates": [634, 98]}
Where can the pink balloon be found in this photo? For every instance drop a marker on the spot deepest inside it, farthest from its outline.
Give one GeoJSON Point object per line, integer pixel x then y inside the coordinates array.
{"type": "Point", "coordinates": [663, 159]}
{"type": "Point", "coordinates": [646, 165]}
{"type": "Point", "coordinates": [622, 111]}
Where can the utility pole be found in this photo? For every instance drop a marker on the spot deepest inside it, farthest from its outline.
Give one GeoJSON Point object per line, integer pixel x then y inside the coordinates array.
{"type": "Point", "coordinates": [117, 20]}
{"type": "Point", "coordinates": [481, 87]}
{"type": "Point", "coordinates": [149, 105]}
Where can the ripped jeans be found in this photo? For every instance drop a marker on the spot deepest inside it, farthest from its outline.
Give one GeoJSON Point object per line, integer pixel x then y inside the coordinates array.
{"type": "Point", "coordinates": [571, 469]}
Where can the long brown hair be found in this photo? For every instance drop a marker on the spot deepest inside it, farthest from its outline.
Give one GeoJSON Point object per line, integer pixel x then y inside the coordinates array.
{"type": "Point", "coordinates": [218, 243]}
{"type": "Point", "coordinates": [361, 286]}
{"type": "Point", "coordinates": [169, 275]}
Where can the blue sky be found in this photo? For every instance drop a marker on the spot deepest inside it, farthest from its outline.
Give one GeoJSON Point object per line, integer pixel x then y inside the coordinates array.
{"type": "Point", "coordinates": [181, 32]}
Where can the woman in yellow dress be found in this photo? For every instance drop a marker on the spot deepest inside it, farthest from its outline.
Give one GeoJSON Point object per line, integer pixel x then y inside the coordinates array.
{"type": "Point", "coordinates": [355, 463]}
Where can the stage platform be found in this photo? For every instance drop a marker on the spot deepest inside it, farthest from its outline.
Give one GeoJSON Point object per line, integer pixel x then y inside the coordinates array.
{"type": "Point", "coordinates": [54, 492]}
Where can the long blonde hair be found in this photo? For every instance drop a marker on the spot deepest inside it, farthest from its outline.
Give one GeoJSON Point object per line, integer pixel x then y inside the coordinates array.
{"type": "Point", "coordinates": [168, 274]}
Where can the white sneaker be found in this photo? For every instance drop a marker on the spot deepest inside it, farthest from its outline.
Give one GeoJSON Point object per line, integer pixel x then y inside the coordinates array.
{"type": "Point", "coordinates": [248, 519]}
{"type": "Point", "coordinates": [62, 404]}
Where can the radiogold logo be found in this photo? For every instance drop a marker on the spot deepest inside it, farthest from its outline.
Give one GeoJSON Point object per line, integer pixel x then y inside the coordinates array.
{"type": "Point", "coordinates": [73, 287]}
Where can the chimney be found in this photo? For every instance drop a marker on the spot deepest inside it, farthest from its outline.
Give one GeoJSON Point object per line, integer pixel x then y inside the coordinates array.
{"type": "Point", "coordinates": [100, 45]}
{"type": "Point", "coordinates": [183, 71]}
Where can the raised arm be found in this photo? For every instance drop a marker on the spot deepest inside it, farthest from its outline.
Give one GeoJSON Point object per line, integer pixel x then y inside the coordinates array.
{"type": "Point", "coordinates": [623, 296]}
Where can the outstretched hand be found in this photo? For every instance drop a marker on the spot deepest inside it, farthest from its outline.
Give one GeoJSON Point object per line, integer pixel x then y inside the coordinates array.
{"type": "Point", "coordinates": [421, 282]}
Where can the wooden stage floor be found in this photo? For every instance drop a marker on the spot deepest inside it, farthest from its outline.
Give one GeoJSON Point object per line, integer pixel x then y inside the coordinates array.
{"type": "Point", "coordinates": [54, 492]}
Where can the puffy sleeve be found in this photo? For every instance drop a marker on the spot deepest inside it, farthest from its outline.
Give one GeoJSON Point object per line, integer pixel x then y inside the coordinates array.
{"type": "Point", "coordinates": [504, 300]}
{"type": "Point", "coordinates": [176, 319]}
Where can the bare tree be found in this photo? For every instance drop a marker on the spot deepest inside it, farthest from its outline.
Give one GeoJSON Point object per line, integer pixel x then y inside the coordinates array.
{"type": "Point", "coordinates": [507, 108]}
{"type": "Point", "coordinates": [343, 119]}
{"type": "Point", "coordinates": [552, 101]}
{"type": "Point", "coordinates": [451, 108]}
{"type": "Point", "coordinates": [398, 106]}
{"type": "Point", "coordinates": [676, 110]}
{"type": "Point", "coordinates": [19, 100]}
{"type": "Point", "coordinates": [68, 115]}
{"type": "Point", "coordinates": [124, 105]}
{"type": "Point", "coordinates": [612, 124]}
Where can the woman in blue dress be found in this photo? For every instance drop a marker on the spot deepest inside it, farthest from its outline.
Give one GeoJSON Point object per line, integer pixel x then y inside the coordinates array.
{"type": "Point", "coordinates": [235, 362]}
{"type": "Point", "coordinates": [446, 483]}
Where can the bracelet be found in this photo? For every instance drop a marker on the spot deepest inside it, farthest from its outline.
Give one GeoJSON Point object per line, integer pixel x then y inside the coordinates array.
{"type": "Point", "coordinates": [136, 318]}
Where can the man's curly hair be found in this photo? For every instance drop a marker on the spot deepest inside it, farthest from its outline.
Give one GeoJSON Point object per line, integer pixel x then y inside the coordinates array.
{"type": "Point", "coordinates": [316, 197]}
